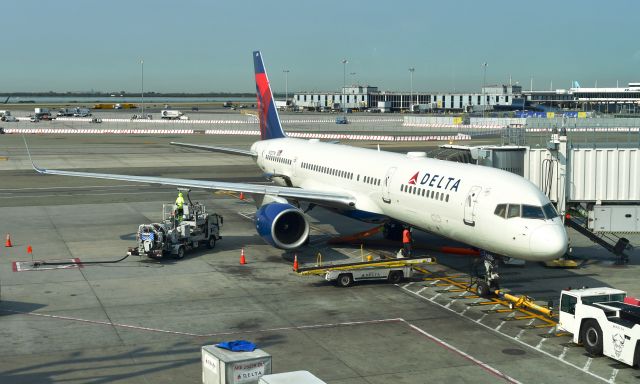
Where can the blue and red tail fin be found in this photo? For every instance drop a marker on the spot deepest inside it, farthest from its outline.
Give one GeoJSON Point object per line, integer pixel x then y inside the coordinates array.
{"type": "Point", "coordinates": [270, 127]}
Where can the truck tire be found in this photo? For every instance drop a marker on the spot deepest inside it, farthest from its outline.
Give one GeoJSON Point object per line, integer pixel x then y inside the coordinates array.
{"type": "Point", "coordinates": [344, 280]}
{"type": "Point", "coordinates": [591, 336]}
{"type": "Point", "coordinates": [180, 254]}
{"type": "Point", "coordinates": [211, 243]}
{"type": "Point", "coordinates": [395, 277]}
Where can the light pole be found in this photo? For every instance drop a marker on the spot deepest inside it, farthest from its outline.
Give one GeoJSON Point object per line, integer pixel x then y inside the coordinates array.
{"type": "Point", "coordinates": [142, 85]}
{"type": "Point", "coordinates": [484, 82]}
{"type": "Point", "coordinates": [411, 70]}
{"type": "Point", "coordinates": [344, 83]}
{"type": "Point", "coordinates": [286, 86]}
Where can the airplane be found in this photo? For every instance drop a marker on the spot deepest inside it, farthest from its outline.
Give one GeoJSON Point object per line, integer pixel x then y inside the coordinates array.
{"type": "Point", "coordinates": [498, 212]}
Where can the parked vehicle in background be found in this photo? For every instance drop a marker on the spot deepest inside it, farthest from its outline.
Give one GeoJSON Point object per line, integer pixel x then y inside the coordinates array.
{"type": "Point", "coordinates": [169, 114]}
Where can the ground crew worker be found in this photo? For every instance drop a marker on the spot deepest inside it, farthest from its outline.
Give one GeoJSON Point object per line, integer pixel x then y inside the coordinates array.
{"type": "Point", "coordinates": [406, 242]}
{"type": "Point", "coordinates": [179, 208]}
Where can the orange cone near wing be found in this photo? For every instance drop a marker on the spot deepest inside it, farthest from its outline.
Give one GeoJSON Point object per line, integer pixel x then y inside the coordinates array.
{"type": "Point", "coordinates": [242, 258]}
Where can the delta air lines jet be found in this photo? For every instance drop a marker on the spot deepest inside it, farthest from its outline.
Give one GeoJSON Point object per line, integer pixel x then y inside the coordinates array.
{"type": "Point", "coordinates": [494, 210]}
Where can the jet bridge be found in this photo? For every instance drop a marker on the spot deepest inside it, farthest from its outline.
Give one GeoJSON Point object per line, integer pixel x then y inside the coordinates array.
{"type": "Point", "coordinates": [596, 188]}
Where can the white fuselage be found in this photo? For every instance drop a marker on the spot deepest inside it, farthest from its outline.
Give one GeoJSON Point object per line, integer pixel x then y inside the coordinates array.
{"type": "Point", "coordinates": [457, 201]}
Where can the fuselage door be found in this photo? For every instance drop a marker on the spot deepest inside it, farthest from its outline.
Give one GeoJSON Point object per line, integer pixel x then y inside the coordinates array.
{"type": "Point", "coordinates": [470, 205]}
{"type": "Point", "coordinates": [386, 185]}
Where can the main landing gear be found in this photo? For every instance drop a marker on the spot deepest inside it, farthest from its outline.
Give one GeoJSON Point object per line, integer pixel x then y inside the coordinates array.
{"type": "Point", "coordinates": [486, 285]}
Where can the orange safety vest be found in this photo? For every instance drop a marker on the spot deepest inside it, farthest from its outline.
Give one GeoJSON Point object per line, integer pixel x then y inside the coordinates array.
{"type": "Point", "coordinates": [406, 236]}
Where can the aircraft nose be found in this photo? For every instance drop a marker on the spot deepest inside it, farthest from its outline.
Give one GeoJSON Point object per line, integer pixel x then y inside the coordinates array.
{"type": "Point", "coordinates": [549, 241]}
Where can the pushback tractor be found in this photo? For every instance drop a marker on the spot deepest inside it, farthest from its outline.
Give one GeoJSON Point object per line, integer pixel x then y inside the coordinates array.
{"type": "Point", "coordinates": [178, 234]}
{"type": "Point", "coordinates": [604, 320]}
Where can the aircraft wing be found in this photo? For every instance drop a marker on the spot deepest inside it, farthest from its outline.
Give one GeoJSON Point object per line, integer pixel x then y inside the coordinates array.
{"type": "Point", "coordinates": [339, 200]}
{"type": "Point", "coordinates": [233, 151]}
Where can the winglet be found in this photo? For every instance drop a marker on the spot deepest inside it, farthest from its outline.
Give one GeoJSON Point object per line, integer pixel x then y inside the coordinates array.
{"type": "Point", "coordinates": [270, 127]}
{"type": "Point", "coordinates": [35, 167]}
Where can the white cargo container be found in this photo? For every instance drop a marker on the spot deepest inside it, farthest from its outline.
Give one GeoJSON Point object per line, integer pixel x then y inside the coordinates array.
{"type": "Point", "coordinates": [296, 377]}
{"type": "Point", "coordinates": [221, 366]}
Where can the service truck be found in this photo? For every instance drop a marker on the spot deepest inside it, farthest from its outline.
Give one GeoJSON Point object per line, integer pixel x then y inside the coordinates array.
{"type": "Point", "coordinates": [169, 114]}
{"type": "Point", "coordinates": [175, 235]}
{"type": "Point", "coordinates": [604, 320]}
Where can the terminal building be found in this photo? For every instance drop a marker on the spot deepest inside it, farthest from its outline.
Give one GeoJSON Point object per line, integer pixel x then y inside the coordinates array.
{"type": "Point", "coordinates": [608, 100]}
{"type": "Point", "coordinates": [491, 98]}
{"type": "Point", "coordinates": [358, 97]}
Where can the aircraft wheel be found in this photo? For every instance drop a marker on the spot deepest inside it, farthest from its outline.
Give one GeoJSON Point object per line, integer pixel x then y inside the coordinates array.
{"type": "Point", "coordinates": [482, 289]}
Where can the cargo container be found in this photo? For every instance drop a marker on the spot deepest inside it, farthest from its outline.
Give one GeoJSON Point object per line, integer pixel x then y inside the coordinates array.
{"type": "Point", "coordinates": [221, 366]}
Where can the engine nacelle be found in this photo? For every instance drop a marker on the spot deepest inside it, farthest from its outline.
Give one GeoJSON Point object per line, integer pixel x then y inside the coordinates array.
{"type": "Point", "coordinates": [282, 225]}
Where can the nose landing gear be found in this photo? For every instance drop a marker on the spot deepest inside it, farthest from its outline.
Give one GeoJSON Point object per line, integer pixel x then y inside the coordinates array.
{"type": "Point", "coordinates": [486, 285]}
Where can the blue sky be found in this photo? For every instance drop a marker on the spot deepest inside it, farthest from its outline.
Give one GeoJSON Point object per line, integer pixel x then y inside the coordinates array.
{"type": "Point", "coordinates": [202, 46]}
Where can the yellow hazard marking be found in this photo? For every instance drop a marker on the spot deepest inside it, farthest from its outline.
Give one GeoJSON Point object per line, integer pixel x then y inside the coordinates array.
{"type": "Point", "coordinates": [4, 158]}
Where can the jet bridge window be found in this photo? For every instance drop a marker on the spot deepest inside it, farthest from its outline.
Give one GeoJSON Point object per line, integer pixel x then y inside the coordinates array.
{"type": "Point", "coordinates": [532, 212]}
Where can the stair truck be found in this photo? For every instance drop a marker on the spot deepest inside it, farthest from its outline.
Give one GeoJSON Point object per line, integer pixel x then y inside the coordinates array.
{"type": "Point", "coordinates": [604, 320]}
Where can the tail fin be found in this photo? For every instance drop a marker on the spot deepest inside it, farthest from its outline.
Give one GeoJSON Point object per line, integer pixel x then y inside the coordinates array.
{"type": "Point", "coordinates": [270, 127]}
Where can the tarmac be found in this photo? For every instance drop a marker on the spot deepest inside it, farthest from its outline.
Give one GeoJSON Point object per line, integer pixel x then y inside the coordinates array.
{"type": "Point", "coordinates": [144, 321]}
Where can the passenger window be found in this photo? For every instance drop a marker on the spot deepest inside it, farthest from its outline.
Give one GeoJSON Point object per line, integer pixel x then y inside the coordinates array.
{"type": "Point", "coordinates": [437, 195]}
{"type": "Point", "coordinates": [447, 199]}
{"type": "Point", "coordinates": [501, 210]}
{"type": "Point", "coordinates": [513, 211]}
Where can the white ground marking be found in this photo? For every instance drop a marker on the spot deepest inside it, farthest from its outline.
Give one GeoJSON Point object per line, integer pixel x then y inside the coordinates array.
{"type": "Point", "coordinates": [558, 358]}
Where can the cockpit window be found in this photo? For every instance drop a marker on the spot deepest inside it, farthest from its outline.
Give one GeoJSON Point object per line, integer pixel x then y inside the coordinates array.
{"type": "Point", "coordinates": [550, 211]}
{"type": "Point", "coordinates": [532, 212]}
{"type": "Point", "coordinates": [501, 209]}
{"type": "Point", "coordinates": [513, 211]}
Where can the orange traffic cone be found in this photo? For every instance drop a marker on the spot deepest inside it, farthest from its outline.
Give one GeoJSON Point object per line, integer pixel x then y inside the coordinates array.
{"type": "Point", "coordinates": [8, 242]}
{"type": "Point", "coordinates": [295, 263]}
{"type": "Point", "coordinates": [242, 259]}
{"type": "Point", "coordinates": [29, 249]}
{"type": "Point", "coordinates": [241, 196]}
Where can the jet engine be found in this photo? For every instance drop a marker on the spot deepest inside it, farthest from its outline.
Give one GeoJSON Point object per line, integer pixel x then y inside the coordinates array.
{"type": "Point", "coordinates": [282, 225]}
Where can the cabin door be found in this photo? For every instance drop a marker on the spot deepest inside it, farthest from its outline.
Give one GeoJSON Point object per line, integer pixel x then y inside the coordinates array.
{"type": "Point", "coordinates": [386, 185]}
{"type": "Point", "coordinates": [470, 205]}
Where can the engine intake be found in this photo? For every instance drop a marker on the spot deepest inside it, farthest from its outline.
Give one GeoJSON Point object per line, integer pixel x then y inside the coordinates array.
{"type": "Point", "coordinates": [282, 225]}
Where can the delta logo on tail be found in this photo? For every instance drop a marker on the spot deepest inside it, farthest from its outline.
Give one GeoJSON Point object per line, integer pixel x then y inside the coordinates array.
{"type": "Point", "coordinates": [436, 181]}
{"type": "Point", "coordinates": [270, 127]}
{"type": "Point", "coordinates": [264, 101]}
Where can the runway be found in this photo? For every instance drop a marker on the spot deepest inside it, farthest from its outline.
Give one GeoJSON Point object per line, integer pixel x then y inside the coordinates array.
{"type": "Point", "coordinates": [142, 321]}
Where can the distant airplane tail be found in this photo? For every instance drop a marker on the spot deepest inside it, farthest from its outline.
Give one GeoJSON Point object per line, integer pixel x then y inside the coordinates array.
{"type": "Point", "coordinates": [270, 127]}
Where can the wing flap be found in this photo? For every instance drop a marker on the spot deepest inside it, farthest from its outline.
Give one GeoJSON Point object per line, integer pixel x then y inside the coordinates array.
{"type": "Point", "coordinates": [233, 151]}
